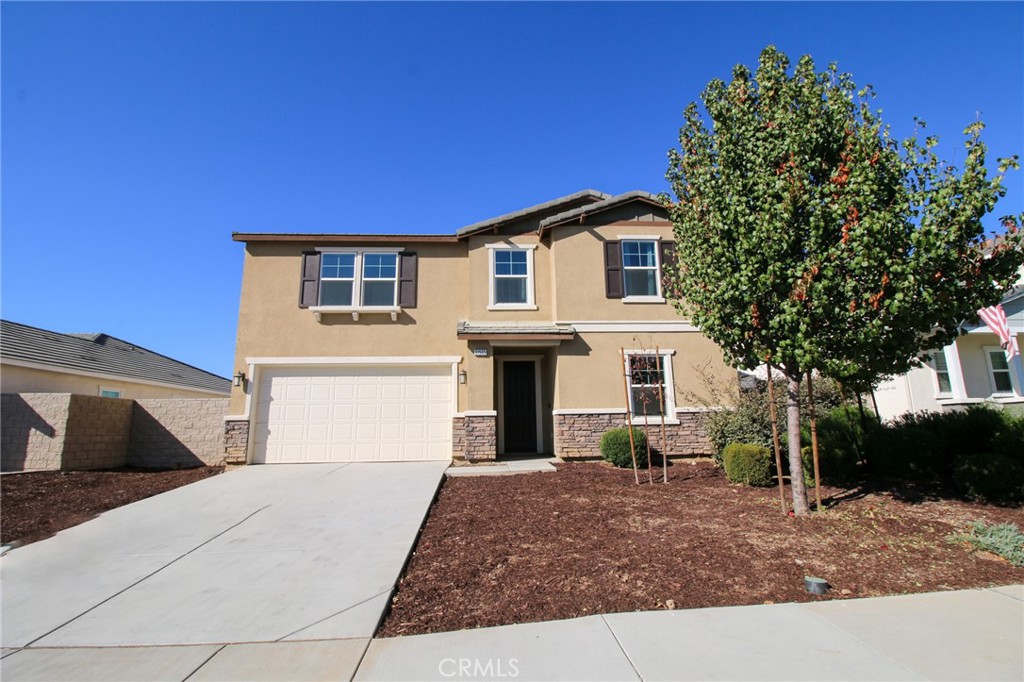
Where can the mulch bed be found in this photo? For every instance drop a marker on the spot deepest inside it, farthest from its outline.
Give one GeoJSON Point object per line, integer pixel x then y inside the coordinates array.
{"type": "Point", "coordinates": [585, 540]}
{"type": "Point", "coordinates": [36, 505]}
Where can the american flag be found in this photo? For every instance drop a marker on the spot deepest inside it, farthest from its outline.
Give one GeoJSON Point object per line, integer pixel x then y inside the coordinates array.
{"type": "Point", "coordinates": [995, 318]}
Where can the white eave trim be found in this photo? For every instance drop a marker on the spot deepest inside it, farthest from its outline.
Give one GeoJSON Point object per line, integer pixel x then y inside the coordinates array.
{"type": "Point", "coordinates": [358, 360]}
{"type": "Point", "coordinates": [627, 326]}
{"type": "Point", "coordinates": [111, 377]}
{"type": "Point", "coordinates": [477, 413]}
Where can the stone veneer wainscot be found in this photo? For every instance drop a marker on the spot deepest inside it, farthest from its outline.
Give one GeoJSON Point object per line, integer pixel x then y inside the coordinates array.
{"type": "Point", "coordinates": [578, 436]}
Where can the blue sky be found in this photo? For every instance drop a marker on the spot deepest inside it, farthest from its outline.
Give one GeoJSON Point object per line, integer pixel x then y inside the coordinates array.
{"type": "Point", "coordinates": [137, 136]}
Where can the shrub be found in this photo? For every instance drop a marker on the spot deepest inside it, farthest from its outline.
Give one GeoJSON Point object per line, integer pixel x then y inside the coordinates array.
{"type": "Point", "coordinates": [909, 452]}
{"type": "Point", "coordinates": [615, 447]}
{"type": "Point", "coordinates": [989, 477]}
{"type": "Point", "coordinates": [748, 463]}
{"type": "Point", "coordinates": [1004, 539]}
{"type": "Point", "coordinates": [840, 445]}
{"type": "Point", "coordinates": [749, 422]}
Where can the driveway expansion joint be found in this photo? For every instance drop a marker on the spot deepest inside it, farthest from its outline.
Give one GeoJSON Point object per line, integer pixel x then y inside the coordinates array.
{"type": "Point", "coordinates": [621, 648]}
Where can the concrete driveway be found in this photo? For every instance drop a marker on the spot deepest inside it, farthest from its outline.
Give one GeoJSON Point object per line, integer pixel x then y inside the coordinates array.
{"type": "Point", "coordinates": [260, 554]}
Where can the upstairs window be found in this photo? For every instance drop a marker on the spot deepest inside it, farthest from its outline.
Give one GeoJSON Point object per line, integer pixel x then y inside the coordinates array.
{"type": "Point", "coordinates": [640, 269]}
{"type": "Point", "coordinates": [999, 370]}
{"type": "Point", "coordinates": [942, 373]}
{"type": "Point", "coordinates": [380, 275]}
{"type": "Point", "coordinates": [376, 285]}
{"type": "Point", "coordinates": [511, 277]}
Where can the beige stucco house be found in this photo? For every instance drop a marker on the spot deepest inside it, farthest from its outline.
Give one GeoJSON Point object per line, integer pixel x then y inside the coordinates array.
{"type": "Point", "coordinates": [503, 337]}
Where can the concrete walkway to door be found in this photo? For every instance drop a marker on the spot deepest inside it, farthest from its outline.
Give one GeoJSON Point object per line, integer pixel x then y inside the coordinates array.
{"type": "Point", "coordinates": [260, 554]}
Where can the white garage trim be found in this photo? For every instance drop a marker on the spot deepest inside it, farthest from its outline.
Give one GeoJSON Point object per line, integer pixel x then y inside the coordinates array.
{"type": "Point", "coordinates": [259, 365]}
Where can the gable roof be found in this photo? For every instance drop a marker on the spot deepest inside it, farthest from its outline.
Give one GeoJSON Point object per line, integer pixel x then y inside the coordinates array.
{"type": "Point", "coordinates": [101, 354]}
{"type": "Point", "coordinates": [609, 202]}
{"type": "Point", "coordinates": [589, 195]}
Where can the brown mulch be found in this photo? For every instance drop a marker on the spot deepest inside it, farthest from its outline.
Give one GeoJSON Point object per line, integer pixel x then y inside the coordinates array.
{"type": "Point", "coordinates": [585, 540]}
{"type": "Point", "coordinates": [36, 505]}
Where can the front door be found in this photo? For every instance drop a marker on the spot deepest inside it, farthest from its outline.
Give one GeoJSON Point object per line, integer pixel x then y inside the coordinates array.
{"type": "Point", "coordinates": [519, 403]}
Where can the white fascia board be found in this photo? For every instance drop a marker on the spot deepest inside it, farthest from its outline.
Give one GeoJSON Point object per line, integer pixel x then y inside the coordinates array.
{"type": "Point", "coordinates": [57, 369]}
{"type": "Point", "coordinates": [477, 413]}
{"type": "Point", "coordinates": [357, 360]}
{"type": "Point", "coordinates": [627, 326]}
{"type": "Point", "coordinates": [360, 249]}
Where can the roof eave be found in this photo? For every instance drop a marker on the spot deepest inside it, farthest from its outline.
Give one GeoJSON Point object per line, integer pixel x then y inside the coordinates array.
{"type": "Point", "coordinates": [249, 237]}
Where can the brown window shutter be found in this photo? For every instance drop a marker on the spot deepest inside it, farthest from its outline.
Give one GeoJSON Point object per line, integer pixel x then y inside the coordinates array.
{"type": "Point", "coordinates": [613, 287]}
{"type": "Point", "coordinates": [668, 257]}
{"type": "Point", "coordinates": [407, 280]}
{"type": "Point", "coordinates": [309, 289]}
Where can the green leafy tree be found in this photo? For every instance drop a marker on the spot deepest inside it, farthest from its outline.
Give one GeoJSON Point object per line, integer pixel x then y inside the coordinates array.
{"type": "Point", "coordinates": [809, 238]}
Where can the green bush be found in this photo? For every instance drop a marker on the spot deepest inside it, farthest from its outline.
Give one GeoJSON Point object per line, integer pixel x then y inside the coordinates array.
{"type": "Point", "coordinates": [989, 477]}
{"type": "Point", "coordinates": [1004, 539]}
{"type": "Point", "coordinates": [615, 447]}
{"type": "Point", "coordinates": [840, 446]}
{"type": "Point", "coordinates": [748, 463]}
{"type": "Point", "coordinates": [908, 452]}
{"type": "Point", "coordinates": [749, 422]}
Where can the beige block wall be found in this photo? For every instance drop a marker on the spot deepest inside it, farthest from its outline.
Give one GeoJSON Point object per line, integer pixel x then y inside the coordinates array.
{"type": "Point", "coordinates": [177, 433]}
{"type": "Point", "coordinates": [33, 428]}
{"type": "Point", "coordinates": [578, 258]}
{"type": "Point", "coordinates": [590, 373]}
{"type": "Point", "coordinates": [14, 379]}
{"type": "Point", "coordinates": [97, 433]}
{"type": "Point", "coordinates": [271, 323]}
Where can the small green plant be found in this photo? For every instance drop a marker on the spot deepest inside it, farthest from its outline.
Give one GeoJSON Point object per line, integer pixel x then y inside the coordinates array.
{"type": "Point", "coordinates": [1004, 539]}
{"type": "Point", "coordinates": [748, 463]}
{"type": "Point", "coordinates": [615, 447]}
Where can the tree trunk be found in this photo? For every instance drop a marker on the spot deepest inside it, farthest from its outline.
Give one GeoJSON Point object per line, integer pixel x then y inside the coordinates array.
{"type": "Point", "coordinates": [796, 464]}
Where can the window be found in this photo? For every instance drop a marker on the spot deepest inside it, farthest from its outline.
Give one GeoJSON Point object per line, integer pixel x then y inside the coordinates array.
{"type": "Point", "coordinates": [999, 369]}
{"type": "Point", "coordinates": [648, 390]}
{"type": "Point", "coordinates": [640, 269]}
{"type": "Point", "coordinates": [942, 372]}
{"type": "Point", "coordinates": [510, 276]}
{"type": "Point", "coordinates": [109, 392]}
{"type": "Point", "coordinates": [511, 285]}
{"type": "Point", "coordinates": [377, 285]}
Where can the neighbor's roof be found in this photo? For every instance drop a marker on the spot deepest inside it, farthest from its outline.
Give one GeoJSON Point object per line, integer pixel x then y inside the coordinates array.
{"type": "Point", "coordinates": [609, 202]}
{"type": "Point", "coordinates": [591, 195]}
{"type": "Point", "coordinates": [101, 354]}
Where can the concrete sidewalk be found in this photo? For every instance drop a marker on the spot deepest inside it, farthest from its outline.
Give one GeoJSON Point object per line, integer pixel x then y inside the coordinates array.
{"type": "Point", "coordinates": [964, 635]}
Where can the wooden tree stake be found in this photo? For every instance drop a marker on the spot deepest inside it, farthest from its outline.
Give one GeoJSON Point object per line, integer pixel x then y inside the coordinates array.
{"type": "Point", "coordinates": [775, 439]}
{"type": "Point", "coordinates": [814, 440]}
{"type": "Point", "coordinates": [661, 399]}
{"type": "Point", "coordinates": [629, 414]}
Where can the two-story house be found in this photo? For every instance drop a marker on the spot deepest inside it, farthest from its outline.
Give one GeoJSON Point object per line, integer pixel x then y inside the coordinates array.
{"type": "Point", "coordinates": [501, 338]}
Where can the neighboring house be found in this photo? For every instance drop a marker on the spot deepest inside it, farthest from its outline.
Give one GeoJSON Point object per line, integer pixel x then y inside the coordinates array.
{"type": "Point", "coordinates": [502, 338]}
{"type": "Point", "coordinates": [971, 370]}
{"type": "Point", "coordinates": [35, 360]}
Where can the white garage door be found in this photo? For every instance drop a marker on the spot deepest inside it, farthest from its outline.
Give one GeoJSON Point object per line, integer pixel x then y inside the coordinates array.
{"type": "Point", "coordinates": [353, 414]}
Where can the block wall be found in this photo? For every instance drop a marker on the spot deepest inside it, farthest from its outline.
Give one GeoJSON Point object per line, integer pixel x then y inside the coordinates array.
{"type": "Point", "coordinates": [172, 433]}
{"type": "Point", "coordinates": [97, 433]}
{"type": "Point", "coordinates": [32, 428]}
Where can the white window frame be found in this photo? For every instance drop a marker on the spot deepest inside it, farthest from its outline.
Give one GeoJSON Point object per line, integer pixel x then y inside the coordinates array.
{"type": "Point", "coordinates": [357, 284]}
{"type": "Point", "coordinates": [531, 303]}
{"type": "Point", "coordinates": [992, 373]}
{"type": "Point", "coordinates": [939, 393]}
{"type": "Point", "coordinates": [626, 298]}
{"type": "Point", "coordinates": [669, 392]}
{"type": "Point", "coordinates": [107, 389]}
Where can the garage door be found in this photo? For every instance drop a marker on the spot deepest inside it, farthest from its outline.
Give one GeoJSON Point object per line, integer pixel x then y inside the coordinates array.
{"type": "Point", "coordinates": [353, 414]}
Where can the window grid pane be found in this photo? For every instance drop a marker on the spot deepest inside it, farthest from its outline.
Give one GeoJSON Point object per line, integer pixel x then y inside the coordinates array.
{"type": "Point", "coordinates": [640, 268]}
{"type": "Point", "coordinates": [645, 380]}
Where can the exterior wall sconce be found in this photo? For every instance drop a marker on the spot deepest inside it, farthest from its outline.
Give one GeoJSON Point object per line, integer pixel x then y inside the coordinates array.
{"type": "Point", "coordinates": [462, 377]}
{"type": "Point", "coordinates": [238, 379]}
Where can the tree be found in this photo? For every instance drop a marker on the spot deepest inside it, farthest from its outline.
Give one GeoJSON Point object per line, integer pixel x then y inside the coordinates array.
{"type": "Point", "coordinates": [809, 238]}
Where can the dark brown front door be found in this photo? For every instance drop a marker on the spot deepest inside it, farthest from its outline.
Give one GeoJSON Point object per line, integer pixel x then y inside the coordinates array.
{"type": "Point", "coordinates": [519, 402]}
